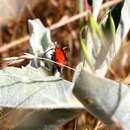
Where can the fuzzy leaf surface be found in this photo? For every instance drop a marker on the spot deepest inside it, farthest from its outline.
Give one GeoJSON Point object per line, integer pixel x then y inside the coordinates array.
{"type": "Point", "coordinates": [44, 101]}
{"type": "Point", "coordinates": [105, 99]}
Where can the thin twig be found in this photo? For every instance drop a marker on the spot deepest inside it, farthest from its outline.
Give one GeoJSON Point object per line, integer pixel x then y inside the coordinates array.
{"type": "Point", "coordinates": [111, 3]}
{"type": "Point", "coordinates": [69, 20]}
{"type": "Point", "coordinates": [14, 43]}
{"type": "Point", "coordinates": [98, 123]}
{"type": "Point", "coordinates": [14, 60]}
{"type": "Point", "coordinates": [57, 25]}
{"type": "Point", "coordinates": [83, 14]}
{"type": "Point", "coordinates": [56, 63]}
{"type": "Point", "coordinates": [75, 124]}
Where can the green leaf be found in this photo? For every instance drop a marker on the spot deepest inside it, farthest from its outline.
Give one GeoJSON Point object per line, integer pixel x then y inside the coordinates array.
{"type": "Point", "coordinates": [86, 53]}
{"type": "Point", "coordinates": [112, 26]}
{"type": "Point", "coordinates": [99, 42]}
{"type": "Point", "coordinates": [109, 29]}
{"type": "Point", "coordinates": [85, 49]}
{"type": "Point", "coordinates": [96, 29]}
{"type": "Point", "coordinates": [94, 26]}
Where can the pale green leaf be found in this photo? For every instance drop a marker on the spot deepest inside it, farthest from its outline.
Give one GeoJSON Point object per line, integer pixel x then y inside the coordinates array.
{"type": "Point", "coordinates": [85, 50]}
{"type": "Point", "coordinates": [29, 91]}
{"type": "Point", "coordinates": [96, 6]}
{"type": "Point", "coordinates": [94, 26]}
{"type": "Point", "coordinates": [107, 100]}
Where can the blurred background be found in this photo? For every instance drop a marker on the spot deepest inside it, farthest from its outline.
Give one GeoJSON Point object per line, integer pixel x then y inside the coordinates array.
{"type": "Point", "coordinates": [14, 15]}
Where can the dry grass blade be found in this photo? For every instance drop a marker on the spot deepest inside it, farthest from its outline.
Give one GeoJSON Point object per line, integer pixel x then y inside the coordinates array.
{"type": "Point", "coordinates": [28, 56]}
{"type": "Point", "coordinates": [14, 43]}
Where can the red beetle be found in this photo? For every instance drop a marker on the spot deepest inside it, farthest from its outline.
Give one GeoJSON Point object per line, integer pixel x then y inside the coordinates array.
{"type": "Point", "coordinates": [57, 55]}
{"type": "Point", "coordinates": [60, 58]}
